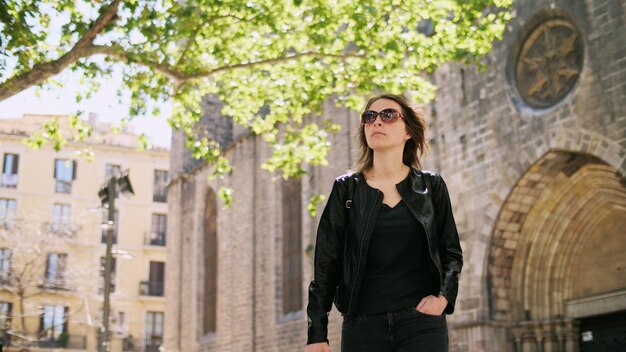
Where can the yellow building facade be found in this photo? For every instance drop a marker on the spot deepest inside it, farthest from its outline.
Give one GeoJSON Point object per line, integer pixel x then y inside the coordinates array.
{"type": "Point", "coordinates": [53, 246]}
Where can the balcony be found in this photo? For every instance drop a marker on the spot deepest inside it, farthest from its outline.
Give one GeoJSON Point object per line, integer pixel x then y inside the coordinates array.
{"type": "Point", "coordinates": [64, 341]}
{"type": "Point", "coordinates": [9, 181]}
{"type": "Point", "coordinates": [62, 186]}
{"type": "Point", "coordinates": [160, 197]}
{"type": "Point", "coordinates": [104, 235]}
{"type": "Point", "coordinates": [7, 223]}
{"type": "Point", "coordinates": [5, 278]}
{"type": "Point", "coordinates": [61, 229]}
{"type": "Point", "coordinates": [148, 288]}
{"type": "Point", "coordinates": [153, 344]}
{"type": "Point", "coordinates": [53, 284]}
{"type": "Point", "coordinates": [155, 239]}
{"type": "Point", "coordinates": [5, 338]}
{"type": "Point", "coordinates": [133, 344]}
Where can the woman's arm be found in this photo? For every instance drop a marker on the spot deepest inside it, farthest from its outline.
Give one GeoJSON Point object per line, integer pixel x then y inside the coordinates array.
{"type": "Point", "coordinates": [449, 245]}
{"type": "Point", "coordinates": [327, 263]}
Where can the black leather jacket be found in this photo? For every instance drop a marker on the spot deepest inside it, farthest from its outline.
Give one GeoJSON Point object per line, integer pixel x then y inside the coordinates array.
{"type": "Point", "coordinates": [345, 230]}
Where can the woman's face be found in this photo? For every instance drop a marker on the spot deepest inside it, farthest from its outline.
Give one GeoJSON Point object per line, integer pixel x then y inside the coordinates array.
{"type": "Point", "coordinates": [385, 135]}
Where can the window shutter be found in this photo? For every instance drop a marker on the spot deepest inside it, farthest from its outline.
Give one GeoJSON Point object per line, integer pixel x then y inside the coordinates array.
{"type": "Point", "coordinates": [41, 321]}
{"type": "Point", "coordinates": [61, 264]}
{"type": "Point", "coordinates": [47, 273]}
{"type": "Point", "coordinates": [15, 163]}
{"type": "Point", "coordinates": [66, 318]}
{"type": "Point", "coordinates": [4, 164]}
{"type": "Point", "coordinates": [74, 164]}
{"type": "Point", "coordinates": [56, 162]}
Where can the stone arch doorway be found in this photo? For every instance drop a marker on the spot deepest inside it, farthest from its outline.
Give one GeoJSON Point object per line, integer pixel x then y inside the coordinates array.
{"type": "Point", "coordinates": [556, 255]}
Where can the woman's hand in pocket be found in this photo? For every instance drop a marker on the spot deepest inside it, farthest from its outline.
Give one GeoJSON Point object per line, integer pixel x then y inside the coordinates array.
{"type": "Point", "coordinates": [432, 305]}
{"type": "Point", "coordinates": [317, 347]}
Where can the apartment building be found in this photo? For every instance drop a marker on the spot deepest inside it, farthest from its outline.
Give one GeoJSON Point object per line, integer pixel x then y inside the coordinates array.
{"type": "Point", "coordinates": [53, 244]}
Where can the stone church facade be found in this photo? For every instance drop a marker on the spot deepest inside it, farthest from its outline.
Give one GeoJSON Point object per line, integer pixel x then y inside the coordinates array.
{"type": "Point", "coordinates": [533, 150]}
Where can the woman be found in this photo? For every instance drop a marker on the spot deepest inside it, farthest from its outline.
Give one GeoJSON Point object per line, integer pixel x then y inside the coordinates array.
{"type": "Point", "coordinates": [387, 248]}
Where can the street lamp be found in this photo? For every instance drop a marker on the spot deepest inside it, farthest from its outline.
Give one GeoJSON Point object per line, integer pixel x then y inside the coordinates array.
{"type": "Point", "coordinates": [107, 196]}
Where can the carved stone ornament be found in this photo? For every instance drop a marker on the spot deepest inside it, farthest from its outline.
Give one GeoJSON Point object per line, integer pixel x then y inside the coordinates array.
{"type": "Point", "coordinates": [549, 63]}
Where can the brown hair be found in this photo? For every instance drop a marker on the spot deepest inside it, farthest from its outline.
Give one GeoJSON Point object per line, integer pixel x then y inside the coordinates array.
{"type": "Point", "coordinates": [414, 148]}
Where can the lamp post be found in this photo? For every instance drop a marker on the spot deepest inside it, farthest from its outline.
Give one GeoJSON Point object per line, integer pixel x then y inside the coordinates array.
{"type": "Point", "coordinates": [107, 196]}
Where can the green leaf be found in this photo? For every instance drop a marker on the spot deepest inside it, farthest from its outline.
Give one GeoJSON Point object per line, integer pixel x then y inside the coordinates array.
{"type": "Point", "coordinates": [314, 202]}
{"type": "Point", "coordinates": [226, 195]}
{"type": "Point", "coordinates": [273, 65]}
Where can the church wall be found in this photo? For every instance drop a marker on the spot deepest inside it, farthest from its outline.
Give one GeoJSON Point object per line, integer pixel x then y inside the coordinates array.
{"type": "Point", "coordinates": [485, 138]}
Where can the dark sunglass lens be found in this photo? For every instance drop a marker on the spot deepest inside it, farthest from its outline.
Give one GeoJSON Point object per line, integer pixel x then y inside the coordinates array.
{"type": "Point", "coordinates": [368, 117]}
{"type": "Point", "coordinates": [388, 115]}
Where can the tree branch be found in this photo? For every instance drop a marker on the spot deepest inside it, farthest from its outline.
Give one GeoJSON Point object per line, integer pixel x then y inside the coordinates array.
{"type": "Point", "coordinates": [191, 41]}
{"type": "Point", "coordinates": [295, 56]}
{"type": "Point", "coordinates": [118, 53]}
{"type": "Point", "coordinates": [39, 73]}
{"type": "Point", "coordinates": [105, 18]}
{"type": "Point", "coordinates": [192, 38]}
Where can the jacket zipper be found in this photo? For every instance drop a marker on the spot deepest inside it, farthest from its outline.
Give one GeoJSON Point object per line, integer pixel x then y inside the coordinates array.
{"type": "Point", "coordinates": [356, 277]}
{"type": "Point", "coordinates": [427, 240]}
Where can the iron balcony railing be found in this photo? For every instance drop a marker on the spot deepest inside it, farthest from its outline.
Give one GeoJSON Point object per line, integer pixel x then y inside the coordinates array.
{"type": "Point", "coordinates": [5, 278]}
{"type": "Point", "coordinates": [78, 342]}
{"type": "Point", "coordinates": [160, 196]}
{"type": "Point", "coordinates": [61, 229]}
{"type": "Point", "coordinates": [9, 181]}
{"type": "Point", "coordinates": [62, 186]}
{"type": "Point", "coordinates": [150, 288]}
{"type": "Point", "coordinates": [155, 238]}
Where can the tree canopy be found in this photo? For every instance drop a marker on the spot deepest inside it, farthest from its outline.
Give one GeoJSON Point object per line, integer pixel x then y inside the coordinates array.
{"type": "Point", "coordinates": [283, 57]}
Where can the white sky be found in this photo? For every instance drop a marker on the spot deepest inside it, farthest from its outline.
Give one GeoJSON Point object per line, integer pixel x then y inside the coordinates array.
{"type": "Point", "coordinates": [61, 101]}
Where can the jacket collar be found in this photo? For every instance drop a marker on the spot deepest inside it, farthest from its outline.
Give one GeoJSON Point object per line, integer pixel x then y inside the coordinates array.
{"type": "Point", "coordinates": [414, 183]}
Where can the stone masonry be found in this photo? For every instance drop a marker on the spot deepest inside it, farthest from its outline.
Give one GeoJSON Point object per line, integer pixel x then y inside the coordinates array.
{"type": "Point", "coordinates": [539, 198]}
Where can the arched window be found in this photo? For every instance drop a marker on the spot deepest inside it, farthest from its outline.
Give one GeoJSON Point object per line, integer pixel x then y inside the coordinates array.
{"type": "Point", "coordinates": [292, 251]}
{"type": "Point", "coordinates": [209, 321]}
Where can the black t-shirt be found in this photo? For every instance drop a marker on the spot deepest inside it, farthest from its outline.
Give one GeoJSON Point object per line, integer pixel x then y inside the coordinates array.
{"type": "Point", "coordinates": [396, 271]}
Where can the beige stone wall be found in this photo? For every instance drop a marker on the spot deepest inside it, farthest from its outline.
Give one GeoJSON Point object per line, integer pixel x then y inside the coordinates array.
{"type": "Point", "coordinates": [35, 196]}
{"type": "Point", "coordinates": [513, 169]}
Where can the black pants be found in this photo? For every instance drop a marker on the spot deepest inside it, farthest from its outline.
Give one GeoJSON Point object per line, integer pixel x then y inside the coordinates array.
{"type": "Point", "coordinates": [404, 330]}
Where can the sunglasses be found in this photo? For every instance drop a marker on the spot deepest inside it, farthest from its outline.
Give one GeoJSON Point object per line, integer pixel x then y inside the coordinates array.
{"type": "Point", "coordinates": [386, 116]}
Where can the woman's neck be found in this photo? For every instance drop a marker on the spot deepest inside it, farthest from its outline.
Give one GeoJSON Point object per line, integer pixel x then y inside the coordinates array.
{"type": "Point", "coordinates": [387, 166]}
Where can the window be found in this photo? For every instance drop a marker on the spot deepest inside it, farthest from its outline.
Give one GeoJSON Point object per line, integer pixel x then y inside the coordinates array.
{"type": "Point", "coordinates": [7, 212]}
{"type": "Point", "coordinates": [154, 285]}
{"type": "Point", "coordinates": [5, 266]}
{"type": "Point", "coordinates": [53, 321]}
{"type": "Point", "coordinates": [154, 331]}
{"type": "Point", "coordinates": [161, 179]}
{"type": "Point", "coordinates": [121, 324]}
{"type": "Point", "coordinates": [64, 174]}
{"type": "Point", "coordinates": [55, 270]}
{"type": "Point", "coordinates": [112, 170]}
{"type": "Point", "coordinates": [292, 251]}
{"type": "Point", "coordinates": [5, 322]}
{"type": "Point", "coordinates": [157, 230]}
{"type": "Point", "coordinates": [157, 278]}
{"type": "Point", "coordinates": [116, 226]}
{"type": "Point", "coordinates": [209, 319]}
{"type": "Point", "coordinates": [61, 219]}
{"type": "Point", "coordinates": [9, 171]}
{"type": "Point", "coordinates": [102, 269]}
